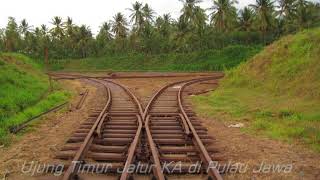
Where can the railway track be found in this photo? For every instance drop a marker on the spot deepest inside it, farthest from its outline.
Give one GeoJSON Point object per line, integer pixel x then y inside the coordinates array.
{"type": "Point", "coordinates": [108, 138]}
{"type": "Point", "coordinates": [123, 138]}
{"type": "Point", "coordinates": [176, 137]}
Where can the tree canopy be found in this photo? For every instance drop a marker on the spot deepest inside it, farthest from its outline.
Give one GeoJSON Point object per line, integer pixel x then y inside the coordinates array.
{"type": "Point", "coordinates": [144, 31]}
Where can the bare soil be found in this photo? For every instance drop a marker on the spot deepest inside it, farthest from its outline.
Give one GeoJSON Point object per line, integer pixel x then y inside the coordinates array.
{"type": "Point", "coordinates": [46, 137]}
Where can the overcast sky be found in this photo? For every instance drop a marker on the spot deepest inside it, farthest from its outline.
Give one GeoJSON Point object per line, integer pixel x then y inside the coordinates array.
{"type": "Point", "coordinates": [89, 12]}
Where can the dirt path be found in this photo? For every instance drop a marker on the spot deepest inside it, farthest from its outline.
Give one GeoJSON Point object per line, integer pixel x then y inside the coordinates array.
{"type": "Point", "coordinates": [41, 144]}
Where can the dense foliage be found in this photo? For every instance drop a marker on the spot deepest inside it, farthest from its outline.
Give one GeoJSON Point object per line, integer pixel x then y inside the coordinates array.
{"type": "Point", "coordinates": [276, 93]}
{"type": "Point", "coordinates": [24, 92]}
{"type": "Point", "coordinates": [209, 60]}
{"type": "Point", "coordinates": [196, 29]}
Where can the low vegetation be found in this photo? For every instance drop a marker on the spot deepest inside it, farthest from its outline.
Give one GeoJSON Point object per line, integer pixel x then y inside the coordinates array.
{"type": "Point", "coordinates": [276, 93]}
{"type": "Point", "coordinates": [197, 61]}
{"type": "Point", "coordinates": [24, 92]}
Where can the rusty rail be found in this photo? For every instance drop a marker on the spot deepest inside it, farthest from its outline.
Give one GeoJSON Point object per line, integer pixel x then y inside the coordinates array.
{"type": "Point", "coordinates": [133, 146]}
{"type": "Point", "coordinates": [187, 125]}
{"type": "Point", "coordinates": [96, 131]}
{"type": "Point", "coordinates": [143, 125]}
{"type": "Point", "coordinates": [67, 76]}
{"type": "Point", "coordinates": [71, 171]}
{"type": "Point", "coordinates": [131, 95]}
{"type": "Point", "coordinates": [157, 172]}
{"type": "Point", "coordinates": [157, 94]}
{"type": "Point", "coordinates": [18, 128]}
{"type": "Point", "coordinates": [82, 99]}
{"type": "Point", "coordinates": [205, 157]}
{"type": "Point", "coordinates": [131, 151]}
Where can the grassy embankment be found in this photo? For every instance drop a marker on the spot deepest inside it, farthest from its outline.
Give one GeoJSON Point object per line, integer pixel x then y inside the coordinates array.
{"type": "Point", "coordinates": [195, 61]}
{"type": "Point", "coordinates": [24, 92]}
{"type": "Point", "coordinates": [276, 93]}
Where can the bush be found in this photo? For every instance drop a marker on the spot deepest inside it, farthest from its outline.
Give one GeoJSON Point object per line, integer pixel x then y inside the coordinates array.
{"type": "Point", "coordinates": [211, 60]}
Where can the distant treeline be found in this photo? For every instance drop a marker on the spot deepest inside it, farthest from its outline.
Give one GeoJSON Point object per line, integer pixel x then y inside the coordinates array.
{"type": "Point", "coordinates": [144, 32]}
{"type": "Point", "coordinates": [208, 60]}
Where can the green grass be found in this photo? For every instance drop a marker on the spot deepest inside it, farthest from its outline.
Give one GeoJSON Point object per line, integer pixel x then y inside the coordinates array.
{"type": "Point", "coordinates": [24, 92]}
{"type": "Point", "coordinates": [276, 94]}
{"type": "Point", "coordinates": [196, 61]}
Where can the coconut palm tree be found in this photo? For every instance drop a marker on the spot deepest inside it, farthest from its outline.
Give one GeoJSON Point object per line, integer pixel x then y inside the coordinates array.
{"type": "Point", "coordinates": [166, 22]}
{"type": "Point", "coordinates": [12, 36]}
{"type": "Point", "coordinates": [24, 28]}
{"type": "Point", "coordinates": [57, 31]}
{"type": "Point", "coordinates": [264, 10]}
{"type": "Point", "coordinates": [69, 22]}
{"type": "Point", "coordinates": [44, 34]}
{"type": "Point", "coordinates": [68, 25]}
{"type": "Point", "coordinates": [37, 32]}
{"type": "Point", "coordinates": [148, 13]}
{"type": "Point", "coordinates": [246, 18]}
{"type": "Point", "coordinates": [84, 35]}
{"type": "Point", "coordinates": [200, 18]}
{"type": "Point", "coordinates": [119, 26]}
{"type": "Point", "coordinates": [44, 29]}
{"type": "Point", "coordinates": [302, 13]}
{"type": "Point", "coordinates": [106, 27]}
{"type": "Point", "coordinates": [188, 11]}
{"type": "Point", "coordinates": [69, 38]}
{"type": "Point", "coordinates": [224, 14]}
{"type": "Point", "coordinates": [286, 15]}
{"type": "Point", "coordinates": [137, 15]}
{"type": "Point", "coordinates": [167, 18]}
{"type": "Point", "coordinates": [163, 25]}
{"type": "Point", "coordinates": [104, 38]}
{"type": "Point", "coordinates": [286, 8]}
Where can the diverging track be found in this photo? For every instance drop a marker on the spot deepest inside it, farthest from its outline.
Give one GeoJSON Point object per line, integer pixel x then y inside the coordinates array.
{"type": "Point", "coordinates": [176, 137]}
{"type": "Point", "coordinates": [106, 142]}
{"type": "Point", "coordinates": [165, 137]}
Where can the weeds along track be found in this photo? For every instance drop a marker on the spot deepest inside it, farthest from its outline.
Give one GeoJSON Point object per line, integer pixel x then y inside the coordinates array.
{"type": "Point", "coordinates": [123, 138]}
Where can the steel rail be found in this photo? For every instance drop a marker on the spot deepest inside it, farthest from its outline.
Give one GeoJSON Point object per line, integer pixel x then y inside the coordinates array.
{"type": "Point", "coordinates": [131, 151]}
{"type": "Point", "coordinates": [134, 144]}
{"type": "Point", "coordinates": [18, 128]}
{"type": "Point", "coordinates": [130, 94]}
{"type": "Point", "coordinates": [146, 118]}
{"type": "Point", "coordinates": [82, 99]}
{"type": "Point", "coordinates": [158, 93]}
{"type": "Point", "coordinates": [205, 157]}
{"type": "Point", "coordinates": [157, 172]}
{"type": "Point", "coordinates": [71, 171]}
{"type": "Point", "coordinates": [97, 129]}
{"type": "Point", "coordinates": [78, 76]}
{"type": "Point", "coordinates": [185, 125]}
{"type": "Point", "coordinates": [143, 119]}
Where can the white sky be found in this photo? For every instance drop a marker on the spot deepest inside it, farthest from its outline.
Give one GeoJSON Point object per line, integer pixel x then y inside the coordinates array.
{"type": "Point", "coordinates": [89, 12]}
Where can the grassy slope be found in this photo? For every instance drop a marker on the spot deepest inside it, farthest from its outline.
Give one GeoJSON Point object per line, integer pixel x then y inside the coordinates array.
{"type": "Point", "coordinates": [197, 61]}
{"type": "Point", "coordinates": [24, 92]}
{"type": "Point", "coordinates": [276, 93]}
